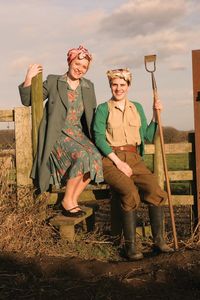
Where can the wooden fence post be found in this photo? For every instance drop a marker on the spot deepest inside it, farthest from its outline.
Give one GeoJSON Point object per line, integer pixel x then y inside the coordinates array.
{"type": "Point", "coordinates": [37, 108]}
{"type": "Point", "coordinates": [196, 96]}
{"type": "Point", "coordinates": [158, 162]}
{"type": "Point", "coordinates": [23, 154]}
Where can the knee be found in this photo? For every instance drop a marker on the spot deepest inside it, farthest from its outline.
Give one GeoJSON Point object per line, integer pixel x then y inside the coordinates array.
{"type": "Point", "coordinates": [130, 200]}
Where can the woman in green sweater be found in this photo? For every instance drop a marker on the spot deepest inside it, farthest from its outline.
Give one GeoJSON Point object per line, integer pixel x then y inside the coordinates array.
{"type": "Point", "coordinates": [120, 130]}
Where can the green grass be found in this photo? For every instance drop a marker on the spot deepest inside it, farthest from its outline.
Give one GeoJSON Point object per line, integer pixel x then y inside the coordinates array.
{"type": "Point", "coordinates": [175, 162]}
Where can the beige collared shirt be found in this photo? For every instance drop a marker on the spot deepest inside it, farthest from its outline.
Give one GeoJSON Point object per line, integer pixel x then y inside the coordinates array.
{"type": "Point", "coordinates": [123, 126]}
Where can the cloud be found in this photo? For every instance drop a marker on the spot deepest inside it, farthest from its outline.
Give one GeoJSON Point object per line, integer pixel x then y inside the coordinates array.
{"type": "Point", "coordinates": [142, 17]}
{"type": "Point", "coordinates": [118, 33]}
{"type": "Point", "coordinates": [142, 27]}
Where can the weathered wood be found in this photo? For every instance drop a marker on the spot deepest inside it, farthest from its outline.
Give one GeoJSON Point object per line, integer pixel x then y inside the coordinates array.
{"type": "Point", "coordinates": [180, 175]}
{"type": "Point", "coordinates": [182, 200]}
{"type": "Point", "coordinates": [7, 115]}
{"type": "Point", "coordinates": [175, 148]}
{"type": "Point", "coordinates": [178, 148]}
{"type": "Point", "coordinates": [90, 187]}
{"type": "Point", "coordinates": [158, 162]}
{"type": "Point", "coordinates": [196, 101]}
{"type": "Point", "coordinates": [37, 108]}
{"type": "Point", "coordinates": [7, 152]}
{"type": "Point", "coordinates": [23, 151]}
{"type": "Point", "coordinates": [66, 225]}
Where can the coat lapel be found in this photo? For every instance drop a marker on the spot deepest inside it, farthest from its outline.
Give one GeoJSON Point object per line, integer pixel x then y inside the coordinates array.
{"type": "Point", "coordinates": [85, 94]}
{"type": "Point", "coordinates": [88, 107]}
{"type": "Point", "coordinates": [62, 90]}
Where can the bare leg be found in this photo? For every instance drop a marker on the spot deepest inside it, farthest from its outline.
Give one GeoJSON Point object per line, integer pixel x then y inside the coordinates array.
{"type": "Point", "coordinates": [75, 186]}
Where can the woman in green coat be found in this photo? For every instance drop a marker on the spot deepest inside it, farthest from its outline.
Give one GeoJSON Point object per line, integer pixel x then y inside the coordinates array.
{"type": "Point", "coordinates": [65, 154]}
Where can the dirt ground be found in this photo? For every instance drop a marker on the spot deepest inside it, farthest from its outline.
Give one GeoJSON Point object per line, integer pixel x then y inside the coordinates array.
{"type": "Point", "coordinates": [164, 276]}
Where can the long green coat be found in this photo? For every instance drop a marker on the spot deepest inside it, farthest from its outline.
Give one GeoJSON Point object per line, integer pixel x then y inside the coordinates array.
{"type": "Point", "coordinates": [55, 111]}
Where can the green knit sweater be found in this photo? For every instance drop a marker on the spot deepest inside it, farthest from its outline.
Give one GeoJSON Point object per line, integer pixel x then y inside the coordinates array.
{"type": "Point", "coordinates": [147, 132]}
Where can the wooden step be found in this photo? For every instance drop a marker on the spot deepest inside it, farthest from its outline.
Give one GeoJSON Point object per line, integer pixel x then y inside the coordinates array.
{"type": "Point", "coordinates": [66, 225]}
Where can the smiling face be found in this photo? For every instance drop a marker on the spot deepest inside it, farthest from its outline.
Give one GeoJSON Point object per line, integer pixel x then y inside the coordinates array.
{"type": "Point", "coordinates": [78, 68]}
{"type": "Point", "coordinates": [119, 88]}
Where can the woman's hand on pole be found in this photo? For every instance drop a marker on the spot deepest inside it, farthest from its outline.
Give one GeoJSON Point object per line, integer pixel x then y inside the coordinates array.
{"type": "Point", "coordinates": [32, 71]}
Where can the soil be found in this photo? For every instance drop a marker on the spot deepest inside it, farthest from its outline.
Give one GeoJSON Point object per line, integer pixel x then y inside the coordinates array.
{"type": "Point", "coordinates": [164, 276]}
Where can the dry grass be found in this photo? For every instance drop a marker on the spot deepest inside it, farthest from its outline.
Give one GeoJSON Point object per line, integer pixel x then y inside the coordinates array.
{"type": "Point", "coordinates": [7, 185]}
{"type": "Point", "coordinates": [25, 231]}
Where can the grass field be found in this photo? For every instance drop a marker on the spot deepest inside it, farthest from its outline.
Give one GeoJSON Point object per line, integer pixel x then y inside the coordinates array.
{"type": "Point", "coordinates": [175, 162]}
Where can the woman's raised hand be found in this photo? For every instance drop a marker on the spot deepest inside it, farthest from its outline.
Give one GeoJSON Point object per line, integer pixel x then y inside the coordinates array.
{"type": "Point", "coordinates": [32, 71]}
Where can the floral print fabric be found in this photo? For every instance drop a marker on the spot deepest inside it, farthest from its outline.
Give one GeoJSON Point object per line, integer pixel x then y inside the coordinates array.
{"type": "Point", "coordinates": [74, 154]}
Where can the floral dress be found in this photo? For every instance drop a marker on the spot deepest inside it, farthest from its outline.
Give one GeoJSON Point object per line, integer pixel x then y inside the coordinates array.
{"type": "Point", "coordinates": [74, 154]}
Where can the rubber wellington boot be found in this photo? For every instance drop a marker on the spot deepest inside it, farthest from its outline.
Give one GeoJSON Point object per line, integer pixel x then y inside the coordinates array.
{"type": "Point", "coordinates": [156, 216]}
{"type": "Point", "coordinates": [129, 231]}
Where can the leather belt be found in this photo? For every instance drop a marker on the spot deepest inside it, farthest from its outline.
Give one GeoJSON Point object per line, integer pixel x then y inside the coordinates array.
{"type": "Point", "coordinates": [127, 148]}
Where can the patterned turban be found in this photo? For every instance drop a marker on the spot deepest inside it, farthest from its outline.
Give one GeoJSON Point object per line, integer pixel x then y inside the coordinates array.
{"type": "Point", "coordinates": [79, 52]}
{"type": "Point", "coordinates": [120, 73]}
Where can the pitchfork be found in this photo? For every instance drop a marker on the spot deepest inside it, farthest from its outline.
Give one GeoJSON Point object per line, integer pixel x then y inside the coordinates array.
{"type": "Point", "coordinates": [151, 69]}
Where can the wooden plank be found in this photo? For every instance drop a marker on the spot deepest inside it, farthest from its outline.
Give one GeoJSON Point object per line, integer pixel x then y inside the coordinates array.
{"type": "Point", "coordinates": [180, 175]}
{"type": "Point", "coordinates": [23, 150]}
{"type": "Point", "coordinates": [62, 220]}
{"type": "Point", "coordinates": [90, 187]}
{"type": "Point", "coordinates": [37, 108]}
{"type": "Point", "coordinates": [6, 115]}
{"type": "Point", "coordinates": [158, 162]}
{"type": "Point", "coordinates": [175, 148]}
{"type": "Point", "coordinates": [196, 102]}
{"type": "Point", "coordinates": [178, 148]}
{"type": "Point", "coordinates": [182, 200]}
{"type": "Point", "coordinates": [7, 152]}
{"type": "Point", "coordinates": [87, 195]}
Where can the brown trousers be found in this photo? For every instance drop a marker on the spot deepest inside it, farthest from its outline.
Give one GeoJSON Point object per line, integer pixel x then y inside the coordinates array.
{"type": "Point", "coordinates": [128, 188]}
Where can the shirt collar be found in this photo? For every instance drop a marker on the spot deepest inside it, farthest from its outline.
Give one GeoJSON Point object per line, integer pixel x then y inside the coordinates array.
{"type": "Point", "coordinates": [115, 103]}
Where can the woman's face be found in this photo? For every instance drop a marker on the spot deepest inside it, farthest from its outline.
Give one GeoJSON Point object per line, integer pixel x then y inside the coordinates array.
{"type": "Point", "coordinates": [78, 68]}
{"type": "Point", "coordinates": [119, 88]}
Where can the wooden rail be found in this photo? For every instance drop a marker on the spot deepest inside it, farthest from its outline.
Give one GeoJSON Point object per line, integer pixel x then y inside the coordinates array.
{"type": "Point", "coordinates": [21, 116]}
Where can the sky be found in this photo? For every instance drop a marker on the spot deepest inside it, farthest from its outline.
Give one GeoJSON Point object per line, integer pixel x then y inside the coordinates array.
{"type": "Point", "coordinates": [119, 33]}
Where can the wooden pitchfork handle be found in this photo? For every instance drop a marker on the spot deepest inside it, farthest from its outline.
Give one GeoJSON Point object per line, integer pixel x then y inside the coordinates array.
{"type": "Point", "coordinates": [155, 96]}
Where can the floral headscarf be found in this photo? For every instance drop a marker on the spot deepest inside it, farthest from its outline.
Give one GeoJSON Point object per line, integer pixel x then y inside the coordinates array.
{"type": "Point", "coordinates": [120, 73]}
{"type": "Point", "coordinates": [79, 52]}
